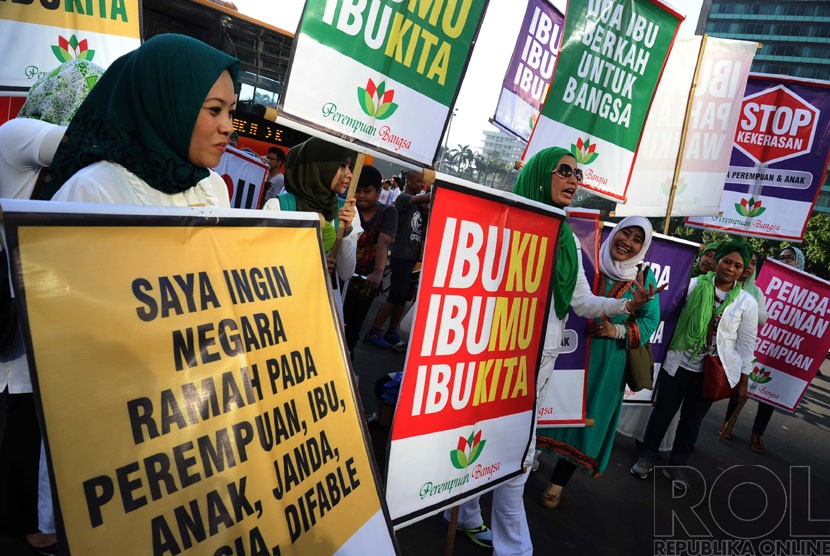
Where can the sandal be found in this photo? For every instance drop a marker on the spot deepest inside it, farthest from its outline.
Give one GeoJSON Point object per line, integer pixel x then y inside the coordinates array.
{"type": "Point", "coordinates": [550, 501]}
{"type": "Point", "coordinates": [45, 544]}
{"type": "Point", "coordinates": [724, 431]}
{"type": "Point", "coordinates": [756, 443]}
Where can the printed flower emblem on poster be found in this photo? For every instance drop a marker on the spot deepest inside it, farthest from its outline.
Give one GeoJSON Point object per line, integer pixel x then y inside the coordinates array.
{"type": "Point", "coordinates": [70, 49]}
{"type": "Point", "coordinates": [374, 72]}
{"type": "Point", "coordinates": [467, 451]}
{"type": "Point", "coordinates": [779, 159]}
{"type": "Point", "coordinates": [376, 100]}
{"type": "Point", "coordinates": [612, 57]}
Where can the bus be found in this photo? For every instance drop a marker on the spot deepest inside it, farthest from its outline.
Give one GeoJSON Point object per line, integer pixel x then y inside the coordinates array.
{"type": "Point", "coordinates": [264, 52]}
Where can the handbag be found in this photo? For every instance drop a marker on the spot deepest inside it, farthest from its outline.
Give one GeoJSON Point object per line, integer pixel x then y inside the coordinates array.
{"type": "Point", "coordinates": [639, 368]}
{"type": "Point", "coordinates": [715, 384]}
{"type": "Point", "coordinates": [639, 363]}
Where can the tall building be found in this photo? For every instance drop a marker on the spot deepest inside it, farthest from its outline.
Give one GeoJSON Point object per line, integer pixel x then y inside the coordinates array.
{"type": "Point", "coordinates": [499, 145]}
{"type": "Point", "coordinates": [794, 37]}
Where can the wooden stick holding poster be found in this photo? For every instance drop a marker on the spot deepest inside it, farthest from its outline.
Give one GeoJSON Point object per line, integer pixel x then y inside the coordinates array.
{"type": "Point", "coordinates": [681, 150]}
{"type": "Point", "coordinates": [186, 403]}
{"type": "Point", "coordinates": [465, 412]}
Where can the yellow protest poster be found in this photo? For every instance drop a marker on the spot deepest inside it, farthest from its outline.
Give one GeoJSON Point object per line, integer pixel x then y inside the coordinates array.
{"type": "Point", "coordinates": [193, 383]}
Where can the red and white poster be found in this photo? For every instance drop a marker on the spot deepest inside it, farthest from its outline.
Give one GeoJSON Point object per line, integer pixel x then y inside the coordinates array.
{"type": "Point", "coordinates": [245, 177]}
{"type": "Point", "coordinates": [792, 343]}
{"type": "Point", "coordinates": [466, 407]}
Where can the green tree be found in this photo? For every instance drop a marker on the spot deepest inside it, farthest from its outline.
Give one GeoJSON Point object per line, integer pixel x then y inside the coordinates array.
{"type": "Point", "coordinates": [816, 246]}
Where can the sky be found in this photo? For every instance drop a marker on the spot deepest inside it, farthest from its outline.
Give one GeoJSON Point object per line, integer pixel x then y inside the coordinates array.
{"type": "Point", "coordinates": [480, 88]}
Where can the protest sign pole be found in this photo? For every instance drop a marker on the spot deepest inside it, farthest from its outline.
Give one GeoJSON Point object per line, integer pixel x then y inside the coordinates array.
{"type": "Point", "coordinates": [682, 147]}
{"type": "Point", "coordinates": [448, 548]}
{"type": "Point", "coordinates": [358, 167]}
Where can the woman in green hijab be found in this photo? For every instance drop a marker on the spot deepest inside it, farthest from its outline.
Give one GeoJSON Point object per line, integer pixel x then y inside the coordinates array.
{"type": "Point", "coordinates": [718, 317]}
{"type": "Point", "coordinates": [149, 131]}
{"type": "Point", "coordinates": [792, 256]}
{"type": "Point", "coordinates": [551, 177]}
{"type": "Point", "coordinates": [316, 172]}
{"type": "Point", "coordinates": [748, 284]}
{"type": "Point", "coordinates": [705, 260]}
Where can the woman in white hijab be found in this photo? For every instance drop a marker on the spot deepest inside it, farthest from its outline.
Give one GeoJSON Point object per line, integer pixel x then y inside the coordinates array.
{"type": "Point", "coordinates": [590, 447]}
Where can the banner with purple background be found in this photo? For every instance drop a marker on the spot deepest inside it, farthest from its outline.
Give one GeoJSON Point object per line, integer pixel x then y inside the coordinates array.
{"type": "Point", "coordinates": [670, 260]}
{"type": "Point", "coordinates": [779, 158]}
{"type": "Point", "coordinates": [528, 76]}
{"type": "Point", "coordinates": [564, 403]}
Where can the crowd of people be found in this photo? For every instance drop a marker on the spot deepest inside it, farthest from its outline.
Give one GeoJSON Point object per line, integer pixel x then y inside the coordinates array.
{"type": "Point", "coordinates": [153, 126]}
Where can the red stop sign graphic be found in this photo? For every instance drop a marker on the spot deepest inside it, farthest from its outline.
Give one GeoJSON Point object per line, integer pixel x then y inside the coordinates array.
{"type": "Point", "coordinates": [775, 125]}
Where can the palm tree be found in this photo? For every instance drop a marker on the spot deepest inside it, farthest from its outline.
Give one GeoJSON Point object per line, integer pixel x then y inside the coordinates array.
{"type": "Point", "coordinates": [462, 158]}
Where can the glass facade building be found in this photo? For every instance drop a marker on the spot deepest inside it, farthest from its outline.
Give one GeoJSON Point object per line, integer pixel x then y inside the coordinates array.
{"type": "Point", "coordinates": [794, 37]}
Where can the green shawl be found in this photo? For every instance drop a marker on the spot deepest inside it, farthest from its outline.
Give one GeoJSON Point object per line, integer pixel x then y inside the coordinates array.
{"type": "Point", "coordinates": [693, 323]}
{"type": "Point", "coordinates": [142, 112]}
{"type": "Point", "coordinates": [534, 183]}
{"type": "Point", "coordinates": [310, 168]}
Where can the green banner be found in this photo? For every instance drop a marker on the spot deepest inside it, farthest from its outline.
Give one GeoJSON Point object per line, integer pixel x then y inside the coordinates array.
{"type": "Point", "coordinates": [612, 56]}
{"type": "Point", "coordinates": [423, 44]}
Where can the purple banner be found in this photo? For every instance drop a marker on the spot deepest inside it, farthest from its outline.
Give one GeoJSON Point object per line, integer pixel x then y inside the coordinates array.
{"type": "Point", "coordinates": [531, 69]}
{"type": "Point", "coordinates": [779, 157]}
{"type": "Point", "coordinates": [671, 261]}
{"type": "Point", "coordinates": [574, 350]}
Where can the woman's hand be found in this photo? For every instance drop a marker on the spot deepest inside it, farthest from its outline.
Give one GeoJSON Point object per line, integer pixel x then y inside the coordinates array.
{"type": "Point", "coordinates": [602, 329]}
{"type": "Point", "coordinates": [642, 294]}
{"type": "Point", "coordinates": [346, 214]}
{"type": "Point", "coordinates": [331, 261]}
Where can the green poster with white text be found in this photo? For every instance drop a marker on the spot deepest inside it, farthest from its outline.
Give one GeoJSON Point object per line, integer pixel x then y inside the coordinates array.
{"type": "Point", "coordinates": [613, 53]}
{"type": "Point", "coordinates": [384, 73]}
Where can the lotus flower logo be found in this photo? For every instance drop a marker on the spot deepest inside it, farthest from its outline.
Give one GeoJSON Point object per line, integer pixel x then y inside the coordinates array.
{"type": "Point", "coordinates": [760, 375]}
{"type": "Point", "coordinates": [750, 207]}
{"type": "Point", "coordinates": [376, 101]}
{"type": "Point", "coordinates": [468, 450]}
{"type": "Point", "coordinates": [584, 152]}
{"type": "Point", "coordinates": [67, 50]}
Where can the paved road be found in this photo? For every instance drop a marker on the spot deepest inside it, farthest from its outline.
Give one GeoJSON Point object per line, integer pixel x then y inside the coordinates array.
{"type": "Point", "coordinates": [617, 514]}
